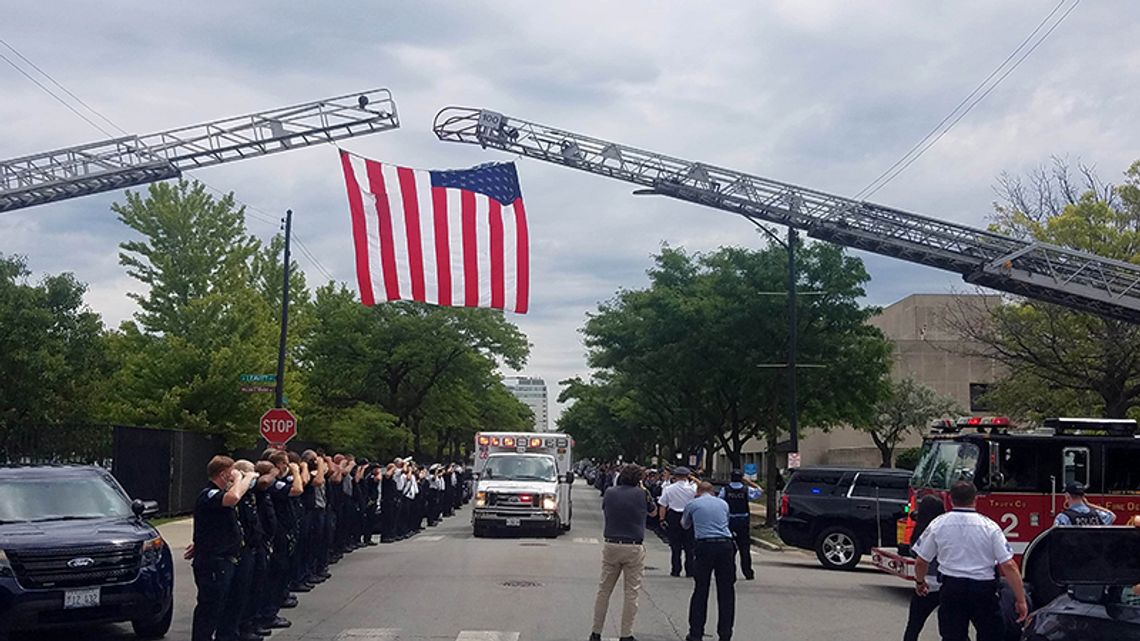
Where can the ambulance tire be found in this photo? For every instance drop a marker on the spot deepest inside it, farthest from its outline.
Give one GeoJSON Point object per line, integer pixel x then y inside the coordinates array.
{"type": "Point", "coordinates": [838, 548]}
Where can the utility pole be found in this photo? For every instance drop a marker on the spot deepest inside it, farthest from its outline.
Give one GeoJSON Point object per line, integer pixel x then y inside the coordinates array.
{"type": "Point", "coordinates": [280, 392]}
{"type": "Point", "coordinates": [793, 342]}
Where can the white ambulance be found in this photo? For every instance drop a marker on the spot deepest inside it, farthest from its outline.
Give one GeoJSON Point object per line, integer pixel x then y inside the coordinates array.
{"type": "Point", "coordinates": [522, 481]}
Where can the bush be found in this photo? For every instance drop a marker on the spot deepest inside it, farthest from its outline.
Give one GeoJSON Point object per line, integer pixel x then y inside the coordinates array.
{"type": "Point", "coordinates": [908, 459]}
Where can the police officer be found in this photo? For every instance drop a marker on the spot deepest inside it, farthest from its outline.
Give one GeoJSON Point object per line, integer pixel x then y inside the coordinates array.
{"type": "Point", "coordinates": [217, 543]}
{"type": "Point", "coordinates": [1079, 511]}
{"type": "Point", "coordinates": [232, 627]}
{"type": "Point", "coordinates": [674, 499]}
{"type": "Point", "coordinates": [388, 504]}
{"type": "Point", "coordinates": [968, 546]}
{"type": "Point", "coordinates": [707, 517]}
{"type": "Point", "coordinates": [737, 495]}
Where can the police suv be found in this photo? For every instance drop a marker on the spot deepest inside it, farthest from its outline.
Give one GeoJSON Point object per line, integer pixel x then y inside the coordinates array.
{"type": "Point", "coordinates": [522, 481]}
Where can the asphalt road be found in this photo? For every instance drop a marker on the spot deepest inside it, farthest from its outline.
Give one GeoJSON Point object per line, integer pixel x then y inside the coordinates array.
{"type": "Point", "coordinates": [445, 585]}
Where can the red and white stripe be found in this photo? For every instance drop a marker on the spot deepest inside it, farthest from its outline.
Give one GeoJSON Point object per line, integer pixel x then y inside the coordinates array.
{"type": "Point", "coordinates": [443, 246]}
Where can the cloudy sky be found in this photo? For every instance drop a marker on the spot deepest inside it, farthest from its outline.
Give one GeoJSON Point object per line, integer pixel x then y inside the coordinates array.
{"type": "Point", "coordinates": [822, 94]}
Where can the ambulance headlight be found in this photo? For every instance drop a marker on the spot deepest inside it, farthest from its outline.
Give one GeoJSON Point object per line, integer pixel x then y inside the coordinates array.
{"type": "Point", "coordinates": [549, 502]}
{"type": "Point", "coordinates": [480, 499]}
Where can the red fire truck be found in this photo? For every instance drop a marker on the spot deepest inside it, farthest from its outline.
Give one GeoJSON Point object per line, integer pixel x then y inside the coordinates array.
{"type": "Point", "coordinates": [1021, 475]}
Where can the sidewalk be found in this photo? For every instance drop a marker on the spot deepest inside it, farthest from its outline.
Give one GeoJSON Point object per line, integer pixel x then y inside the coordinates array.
{"type": "Point", "coordinates": [178, 534]}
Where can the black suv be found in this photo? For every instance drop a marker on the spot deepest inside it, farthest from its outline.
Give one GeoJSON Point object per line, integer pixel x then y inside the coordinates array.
{"type": "Point", "coordinates": [75, 550]}
{"type": "Point", "coordinates": [842, 512]}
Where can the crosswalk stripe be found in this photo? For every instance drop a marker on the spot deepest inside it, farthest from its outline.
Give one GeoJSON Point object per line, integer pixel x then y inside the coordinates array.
{"type": "Point", "coordinates": [369, 634]}
{"type": "Point", "coordinates": [487, 635]}
{"type": "Point", "coordinates": [429, 537]}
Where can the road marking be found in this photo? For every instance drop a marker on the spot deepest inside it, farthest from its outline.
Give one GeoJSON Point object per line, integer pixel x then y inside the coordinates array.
{"type": "Point", "coordinates": [491, 635]}
{"type": "Point", "coordinates": [586, 539]}
{"type": "Point", "coordinates": [369, 634]}
{"type": "Point", "coordinates": [429, 538]}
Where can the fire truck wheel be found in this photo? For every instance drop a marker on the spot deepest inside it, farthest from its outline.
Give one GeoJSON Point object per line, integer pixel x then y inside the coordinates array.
{"type": "Point", "coordinates": [837, 548]}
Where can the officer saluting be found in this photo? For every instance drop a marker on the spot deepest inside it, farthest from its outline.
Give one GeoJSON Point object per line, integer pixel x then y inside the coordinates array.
{"type": "Point", "coordinates": [737, 495]}
{"type": "Point", "coordinates": [968, 546]}
{"type": "Point", "coordinates": [1078, 511]}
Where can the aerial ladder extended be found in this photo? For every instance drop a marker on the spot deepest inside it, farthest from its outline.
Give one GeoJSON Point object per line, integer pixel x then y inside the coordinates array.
{"type": "Point", "coordinates": [1075, 279]}
{"type": "Point", "coordinates": [135, 160]}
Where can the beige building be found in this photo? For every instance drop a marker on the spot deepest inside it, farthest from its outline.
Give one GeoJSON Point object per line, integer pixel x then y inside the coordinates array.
{"type": "Point", "coordinates": [926, 348]}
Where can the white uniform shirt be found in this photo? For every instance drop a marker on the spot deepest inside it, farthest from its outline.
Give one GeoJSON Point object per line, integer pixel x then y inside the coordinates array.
{"type": "Point", "coordinates": [677, 495]}
{"type": "Point", "coordinates": [966, 544]}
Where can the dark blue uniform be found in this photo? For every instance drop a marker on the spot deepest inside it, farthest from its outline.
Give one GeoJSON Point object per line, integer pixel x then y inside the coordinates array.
{"type": "Point", "coordinates": [217, 545]}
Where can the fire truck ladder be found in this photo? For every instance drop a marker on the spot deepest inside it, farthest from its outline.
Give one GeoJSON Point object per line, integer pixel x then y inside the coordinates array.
{"type": "Point", "coordinates": [1042, 271]}
{"type": "Point", "coordinates": [136, 160]}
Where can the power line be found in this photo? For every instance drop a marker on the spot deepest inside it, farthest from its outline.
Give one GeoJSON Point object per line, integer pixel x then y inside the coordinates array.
{"type": "Point", "coordinates": [65, 89]}
{"type": "Point", "coordinates": [253, 212]}
{"type": "Point", "coordinates": [954, 117]}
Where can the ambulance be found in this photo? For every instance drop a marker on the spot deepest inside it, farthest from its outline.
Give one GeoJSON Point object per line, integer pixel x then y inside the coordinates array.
{"type": "Point", "coordinates": [522, 482]}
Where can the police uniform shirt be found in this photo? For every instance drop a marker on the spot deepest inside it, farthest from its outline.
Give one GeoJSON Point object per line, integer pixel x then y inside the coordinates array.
{"type": "Point", "coordinates": [737, 496]}
{"type": "Point", "coordinates": [1082, 514]}
{"type": "Point", "coordinates": [282, 503]}
{"type": "Point", "coordinates": [966, 544]}
{"type": "Point", "coordinates": [216, 529]}
{"type": "Point", "coordinates": [678, 495]}
{"type": "Point", "coordinates": [252, 534]}
{"type": "Point", "coordinates": [707, 515]}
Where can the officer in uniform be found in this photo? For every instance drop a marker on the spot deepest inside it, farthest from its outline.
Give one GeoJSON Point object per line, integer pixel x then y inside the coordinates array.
{"type": "Point", "coordinates": [232, 627]}
{"type": "Point", "coordinates": [674, 499]}
{"type": "Point", "coordinates": [968, 546]}
{"type": "Point", "coordinates": [707, 517]}
{"type": "Point", "coordinates": [388, 504]}
{"type": "Point", "coordinates": [217, 543]}
{"type": "Point", "coordinates": [737, 495]}
{"type": "Point", "coordinates": [1078, 511]}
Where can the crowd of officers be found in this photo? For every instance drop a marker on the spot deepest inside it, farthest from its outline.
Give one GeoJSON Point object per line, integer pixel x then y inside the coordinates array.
{"type": "Point", "coordinates": [266, 530]}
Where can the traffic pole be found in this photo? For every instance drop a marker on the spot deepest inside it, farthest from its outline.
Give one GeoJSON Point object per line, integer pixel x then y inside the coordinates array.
{"type": "Point", "coordinates": [280, 390]}
{"type": "Point", "coordinates": [793, 344]}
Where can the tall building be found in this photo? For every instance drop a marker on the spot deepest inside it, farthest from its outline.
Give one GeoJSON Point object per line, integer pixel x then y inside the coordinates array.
{"type": "Point", "coordinates": [532, 392]}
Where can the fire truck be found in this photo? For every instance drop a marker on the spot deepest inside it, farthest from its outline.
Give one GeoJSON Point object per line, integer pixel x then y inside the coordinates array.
{"type": "Point", "coordinates": [522, 481]}
{"type": "Point", "coordinates": [1021, 475]}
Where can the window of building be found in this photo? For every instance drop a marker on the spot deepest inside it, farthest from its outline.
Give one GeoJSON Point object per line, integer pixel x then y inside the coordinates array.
{"type": "Point", "coordinates": [977, 397]}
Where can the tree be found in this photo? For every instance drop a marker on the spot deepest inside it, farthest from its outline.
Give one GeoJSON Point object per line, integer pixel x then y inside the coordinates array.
{"type": "Point", "coordinates": [907, 407]}
{"type": "Point", "coordinates": [1088, 363]}
{"type": "Point", "coordinates": [698, 351]}
{"type": "Point", "coordinates": [52, 358]}
{"type": "Point", "coordinates": [402, 357]}
{"type": "Point", "coordinates": [202, 323]}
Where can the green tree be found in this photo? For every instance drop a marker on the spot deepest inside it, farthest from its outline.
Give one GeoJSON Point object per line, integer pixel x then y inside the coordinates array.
{"type": "Point", "coordinates": [203, 320]}
{"type": "Point", "coordinates": [52, 359]}
{"type": "Point", "coordinates": [1059, 358]}
{"type": "Point", "coordinates": [697, 349]}
{"type": "Point", "coordinates": [907, 407]}
{"type": "Point", "coordinates": [399, 356]}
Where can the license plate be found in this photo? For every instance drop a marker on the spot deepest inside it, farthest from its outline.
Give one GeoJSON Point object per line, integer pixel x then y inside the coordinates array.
{"type": "Point", "coordinates": [81, 599]}
{"type": "Point", "coordinates": [514, 522]}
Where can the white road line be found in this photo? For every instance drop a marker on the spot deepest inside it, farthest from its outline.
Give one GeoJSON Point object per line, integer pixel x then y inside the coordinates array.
{"type": "Point", "coordinates": [489, 635]}
{"type": "Point", "coordinates": [587, 540]}
{"type": "Point", "coordinates": [369, 634]}
{"type": "Point", "coordinates": [429, 538]}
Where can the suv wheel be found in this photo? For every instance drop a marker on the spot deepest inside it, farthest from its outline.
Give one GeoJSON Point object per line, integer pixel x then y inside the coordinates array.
{"type": "Point", "coordinates": [155, 628]}
{"type": "Point", "coordinates": [837, 548]}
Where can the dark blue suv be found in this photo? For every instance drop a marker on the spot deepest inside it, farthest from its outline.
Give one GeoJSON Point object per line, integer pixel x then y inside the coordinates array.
{"type": "Point", "coordinates": [75, 550]}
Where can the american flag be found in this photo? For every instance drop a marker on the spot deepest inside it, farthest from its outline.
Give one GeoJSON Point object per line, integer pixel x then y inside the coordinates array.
{"type": "Point", "coordinates": [453, 238]}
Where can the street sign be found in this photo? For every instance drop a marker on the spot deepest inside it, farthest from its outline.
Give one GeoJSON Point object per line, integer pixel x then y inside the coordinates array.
{"type": "Point", "coordinates": [258, 389]}
{"type": "Point", "coordinates": [258, 378]}
{"type": "Point", "coordinates": [793, 460]}
{"type": "Point", "coordinates": [278, 426]}
{"type": "Point", "coordinates": [750, 469]}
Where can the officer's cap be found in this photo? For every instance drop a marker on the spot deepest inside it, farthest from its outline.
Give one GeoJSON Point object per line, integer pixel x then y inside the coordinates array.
{"type": "Point", "coordinates": [1075, 489]}
{"type": "Point", "coordinates": [737, 475]}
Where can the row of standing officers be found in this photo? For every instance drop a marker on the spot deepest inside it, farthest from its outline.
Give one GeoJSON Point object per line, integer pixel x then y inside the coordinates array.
{"type": "Point", "coordinates": [265, 531]}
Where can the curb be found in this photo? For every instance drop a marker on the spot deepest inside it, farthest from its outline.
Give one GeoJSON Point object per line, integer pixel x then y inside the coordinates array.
{"type": "Point", "coordinates": [772, 547]}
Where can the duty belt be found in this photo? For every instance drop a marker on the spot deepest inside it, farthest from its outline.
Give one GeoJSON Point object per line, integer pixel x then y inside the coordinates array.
{"type": "Point", "coordinates": [717, 539]}
{"type": "Point", "coordinates": [620, 541]}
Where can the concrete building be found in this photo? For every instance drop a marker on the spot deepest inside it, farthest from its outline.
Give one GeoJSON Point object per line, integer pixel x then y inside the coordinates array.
{"type": "Point", "coordinates": [532, 392]}
{"type": "Point", "coordinates": [926, 348]}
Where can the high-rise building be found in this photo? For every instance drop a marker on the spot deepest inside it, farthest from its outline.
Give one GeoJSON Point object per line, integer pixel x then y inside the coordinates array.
{"type": "Point", "coordinates": [532, 392]}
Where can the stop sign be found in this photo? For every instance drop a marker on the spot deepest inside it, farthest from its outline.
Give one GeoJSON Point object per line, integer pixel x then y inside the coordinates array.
{"type": "Point", "coordinates": [278, 426]}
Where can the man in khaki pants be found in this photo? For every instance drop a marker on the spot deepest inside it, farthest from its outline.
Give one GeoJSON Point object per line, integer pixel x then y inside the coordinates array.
{"type": "Point", "coordinates": [625, 507]}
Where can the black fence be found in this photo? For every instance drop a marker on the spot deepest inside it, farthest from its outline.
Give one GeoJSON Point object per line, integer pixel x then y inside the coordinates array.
{"type": "Point", "coordinates": [61, 443]}
{"type": "Point", "coordinates": [168, 466]}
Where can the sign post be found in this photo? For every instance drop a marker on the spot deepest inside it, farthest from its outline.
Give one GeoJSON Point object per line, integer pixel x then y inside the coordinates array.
{"type": "Point", "coordinates": [277, 427]}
